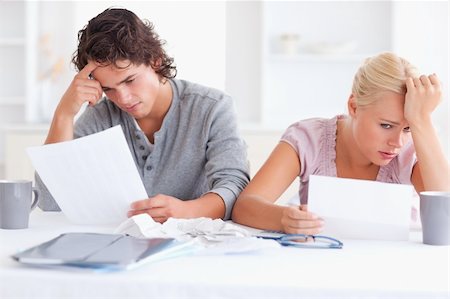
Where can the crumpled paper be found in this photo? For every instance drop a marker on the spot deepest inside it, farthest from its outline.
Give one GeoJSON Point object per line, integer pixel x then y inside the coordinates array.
{"type": "Point", "coordinates": [224, 237]}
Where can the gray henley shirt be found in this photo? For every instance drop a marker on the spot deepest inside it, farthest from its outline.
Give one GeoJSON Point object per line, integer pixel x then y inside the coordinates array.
{"type": "Point", "coordinates": [196, 151]}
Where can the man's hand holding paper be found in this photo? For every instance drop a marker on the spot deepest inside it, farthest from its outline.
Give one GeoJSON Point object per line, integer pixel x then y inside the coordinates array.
{"type": "Point", "coordinates": [93, 179]}
{"type": "Point", "coordinates": [160, 207]}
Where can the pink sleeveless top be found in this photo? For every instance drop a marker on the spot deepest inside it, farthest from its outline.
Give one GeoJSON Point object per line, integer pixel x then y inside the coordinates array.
{"type": "Point", "coordinates": [314, 140]}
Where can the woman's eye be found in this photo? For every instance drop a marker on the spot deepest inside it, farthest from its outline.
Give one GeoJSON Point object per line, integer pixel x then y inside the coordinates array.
{"type": "Point", "coordinates": [129, 81]}
{"type": "Point", "coordinates": [386, 126]}
{"type": "Point", "coordinates": [407, 129]}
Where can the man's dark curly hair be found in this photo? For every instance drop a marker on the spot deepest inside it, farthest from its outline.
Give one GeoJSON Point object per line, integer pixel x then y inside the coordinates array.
{"type": "Point", "coordinates": [118, 34]}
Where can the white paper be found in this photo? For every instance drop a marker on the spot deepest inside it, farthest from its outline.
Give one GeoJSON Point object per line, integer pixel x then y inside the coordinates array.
{"type": "Point", "coordinates": [361, 209]}
{"type": "Point", "coordinates": [215, 235]}
{"type": "Point", "coordinates": [214, 230]}
{"type": "Point", "coordinates": [93, 179]}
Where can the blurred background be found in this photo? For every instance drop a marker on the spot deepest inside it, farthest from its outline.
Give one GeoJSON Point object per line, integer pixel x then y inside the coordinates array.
{"type": "Point", "coordinates": [280, 61]}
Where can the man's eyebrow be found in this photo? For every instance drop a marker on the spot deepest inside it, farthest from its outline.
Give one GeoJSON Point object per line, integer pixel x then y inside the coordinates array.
{"type": "Point", "coordinates": [390, 121]}
{"type": "Point", "coordinates": [127, 78]}
{"type": "Point", "coordinates": [123, 81]}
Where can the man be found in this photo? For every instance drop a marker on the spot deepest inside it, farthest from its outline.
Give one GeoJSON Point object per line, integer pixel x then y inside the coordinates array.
{"type": "Point", "coordinates": [183, 136]}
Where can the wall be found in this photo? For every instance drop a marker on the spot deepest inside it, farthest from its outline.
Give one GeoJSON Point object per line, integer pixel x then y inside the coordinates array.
{"type": "Point", "coordinates": [313, 77]}
{"type": "Point", "coordinates": [197, 40]}
{"type": "Point", "coordinates": [280, 89]}
{"type": "Point", "coordinates": [194, 31]}
{"type": "Point", "coordinates": [52, 73]}
{"type": "Point", "coordinates": [226, 45]}
{"type": "Point", "coordinates": [421, 34]}
{"type": "Point", "coordinates": [243, 58]}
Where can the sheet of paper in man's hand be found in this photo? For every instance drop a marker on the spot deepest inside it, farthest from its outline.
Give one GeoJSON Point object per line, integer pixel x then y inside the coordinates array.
{"type": "Point", "coordinates": [361, 209]}
{"type": "Point", "coordinates": [93, 179]}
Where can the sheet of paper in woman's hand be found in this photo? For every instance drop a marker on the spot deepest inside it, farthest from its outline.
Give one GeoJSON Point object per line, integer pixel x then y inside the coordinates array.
{"type": "Point", "coordinates": [93, 179]}
{"type": "Point", "coordinates": [361, 209]}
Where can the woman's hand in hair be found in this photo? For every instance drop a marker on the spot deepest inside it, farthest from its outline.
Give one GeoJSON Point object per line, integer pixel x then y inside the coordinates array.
{"type": "Point", "coordinates": [422, 97]}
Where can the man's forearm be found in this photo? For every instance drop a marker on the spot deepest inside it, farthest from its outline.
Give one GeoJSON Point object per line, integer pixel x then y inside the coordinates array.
{"type": "Point", "coordinates": [60, 130]}
{"type": "Point", "coordinates": [210, 205]}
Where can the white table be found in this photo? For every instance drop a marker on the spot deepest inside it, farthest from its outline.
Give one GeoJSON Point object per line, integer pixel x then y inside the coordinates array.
{"type": "Point", "coordinates": [363, 269]}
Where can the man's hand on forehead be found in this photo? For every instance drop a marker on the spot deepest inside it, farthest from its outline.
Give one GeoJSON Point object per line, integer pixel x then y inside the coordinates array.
{"type": "Point", "coordinates": [87, 70]}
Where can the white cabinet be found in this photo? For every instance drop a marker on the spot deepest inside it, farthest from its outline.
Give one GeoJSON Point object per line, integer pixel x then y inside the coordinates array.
{"type": "Point", "coordinates": [17, 140]}
{"type": "Point", "coordinates": [311, 51]}
{"type": "Point", "coordinates": [12, 61]}
{"type": "Point", "coordinates": [17, 60]}
{"type": "Point", "coordinates": [17, 63]}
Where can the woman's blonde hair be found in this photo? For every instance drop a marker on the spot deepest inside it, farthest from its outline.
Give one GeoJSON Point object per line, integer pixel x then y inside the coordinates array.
{"type": "Point", "coordinates": [384, 72]}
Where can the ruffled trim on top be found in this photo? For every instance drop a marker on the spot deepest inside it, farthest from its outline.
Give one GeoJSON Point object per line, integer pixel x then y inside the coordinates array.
{"type": "Point", "coordinates": [330, 139]}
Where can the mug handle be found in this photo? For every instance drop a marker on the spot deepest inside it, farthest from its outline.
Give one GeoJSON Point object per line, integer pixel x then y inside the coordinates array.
{"type": "Point", "coordinates": [36, 198]}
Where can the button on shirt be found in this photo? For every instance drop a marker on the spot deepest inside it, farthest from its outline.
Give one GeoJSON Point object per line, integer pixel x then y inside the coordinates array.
{"type": "Point", "coordinates": [145, 148]}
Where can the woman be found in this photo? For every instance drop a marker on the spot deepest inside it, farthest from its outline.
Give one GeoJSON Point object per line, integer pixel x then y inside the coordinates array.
{"type": "Point", "coordinates": [387, 136]}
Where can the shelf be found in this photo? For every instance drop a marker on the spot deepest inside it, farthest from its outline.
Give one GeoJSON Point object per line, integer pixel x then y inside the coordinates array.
{"type": "Point", "coordinates": [25, 128]}
{"type": "Point", "coordinates": [260, 127]}
{"type": "Point", "coordinates": [317, 57]}
{"type": "Point", "coordinates": [12, 42]}
{"type": "Point", "coordinates": [11, 101]}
